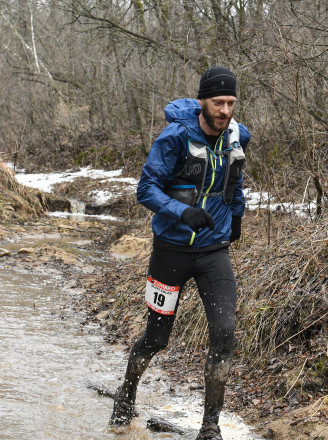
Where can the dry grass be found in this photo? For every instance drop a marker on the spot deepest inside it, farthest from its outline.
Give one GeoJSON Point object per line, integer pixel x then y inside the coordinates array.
{"type": "Point", "coordinates": [17, 201]}
{"type": "Point", "coordinates": [283, 293]}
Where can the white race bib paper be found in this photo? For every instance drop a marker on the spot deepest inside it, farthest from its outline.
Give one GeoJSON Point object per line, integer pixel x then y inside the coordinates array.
{"type": "Point", "coordinates": [160, 297]}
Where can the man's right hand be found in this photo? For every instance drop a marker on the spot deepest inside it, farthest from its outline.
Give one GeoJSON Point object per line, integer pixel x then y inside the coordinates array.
{"type": "Point", "coordinates": [197, 218]}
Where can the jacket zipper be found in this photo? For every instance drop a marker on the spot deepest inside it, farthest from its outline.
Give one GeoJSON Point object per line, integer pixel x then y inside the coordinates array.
{"type": "Point", "coordinates": [213, 163]}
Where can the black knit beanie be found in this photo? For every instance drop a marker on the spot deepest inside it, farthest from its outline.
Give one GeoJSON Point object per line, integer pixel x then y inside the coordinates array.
{"type": "Point", "coordinates": [217, 81]}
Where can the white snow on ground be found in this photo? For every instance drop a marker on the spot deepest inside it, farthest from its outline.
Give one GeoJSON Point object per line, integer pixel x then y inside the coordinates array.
{"type": "Point", "coordinates": [100, 197]}
{"type": "Point", "coordinates": [45, 182]}
{"type": "Point", "coordinates": [256, 200]}
{"type": "Point", "coordinates": [80, 214]}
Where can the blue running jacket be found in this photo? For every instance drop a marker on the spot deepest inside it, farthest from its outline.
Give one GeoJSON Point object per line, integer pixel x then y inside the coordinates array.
{"type": "Point", "coordinates": [165, 159]}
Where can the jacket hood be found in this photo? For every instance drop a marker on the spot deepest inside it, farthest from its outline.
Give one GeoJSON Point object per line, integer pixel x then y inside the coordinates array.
{"type": "Point", "coordinates": [186, 112]}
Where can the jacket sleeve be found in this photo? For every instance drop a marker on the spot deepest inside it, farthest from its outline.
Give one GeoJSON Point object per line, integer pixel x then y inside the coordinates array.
{"type": "Point", "coordinates": [163, 158]}
{"type": "Point", "coordinates": [237, 205]}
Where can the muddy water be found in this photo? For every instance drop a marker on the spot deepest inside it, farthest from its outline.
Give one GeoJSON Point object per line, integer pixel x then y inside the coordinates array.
{"type": "Point", "coordinates": [36, 240]}
{"type": "Point", "coordinates": [33, 240]}
{"type": "Point", "coordinates": [44, 363]}
{"type": "Point", "coordinates": [47, 362]}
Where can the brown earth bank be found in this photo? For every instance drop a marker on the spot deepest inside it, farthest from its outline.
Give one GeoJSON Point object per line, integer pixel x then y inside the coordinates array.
{"type": "Point", "coordinates": [279, 382]}
{"type": "Point", "coordinates": [17, 201]}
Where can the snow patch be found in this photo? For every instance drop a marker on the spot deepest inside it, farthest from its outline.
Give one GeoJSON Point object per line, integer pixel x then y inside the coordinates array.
{"type": "Point", "coordinates": [46, 181]}
{"type": "Point", "coordinates": [82, 215]}
{"type": "Point", "coordinates": [256, 200]}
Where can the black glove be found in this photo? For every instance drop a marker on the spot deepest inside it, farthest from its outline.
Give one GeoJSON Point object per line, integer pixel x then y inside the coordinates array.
{"type": "Point", "coordinates": [235, 228]}
{"type": "Point", "coordinates": [197, 218]}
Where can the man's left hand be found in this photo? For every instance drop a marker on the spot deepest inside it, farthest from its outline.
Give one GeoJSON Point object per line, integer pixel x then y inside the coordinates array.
{"type": "Point", "coordinates": [235, 228]}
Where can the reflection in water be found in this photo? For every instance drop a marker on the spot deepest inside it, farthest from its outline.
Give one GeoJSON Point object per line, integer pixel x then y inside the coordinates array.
{"type": "Point", "coordinates": [46, 362]}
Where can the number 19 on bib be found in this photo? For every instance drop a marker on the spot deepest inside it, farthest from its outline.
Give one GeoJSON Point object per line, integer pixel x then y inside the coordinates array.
{"type": "Point", "coordinates": [160, 297]}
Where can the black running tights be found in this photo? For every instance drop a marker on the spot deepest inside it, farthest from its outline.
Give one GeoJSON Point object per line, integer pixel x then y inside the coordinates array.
{"type": "Point", "coordinates": [216, 284]}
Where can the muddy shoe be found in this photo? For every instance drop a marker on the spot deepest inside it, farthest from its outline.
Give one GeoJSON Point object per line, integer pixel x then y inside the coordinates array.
{"type": "Point", "coordinates": [209, 432]}
{"type": "Point", "coordinates": [123, 410]}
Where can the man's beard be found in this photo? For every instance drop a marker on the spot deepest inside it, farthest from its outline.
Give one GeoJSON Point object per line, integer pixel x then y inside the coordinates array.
{"type": "Point", "coordinates": [210, 119]}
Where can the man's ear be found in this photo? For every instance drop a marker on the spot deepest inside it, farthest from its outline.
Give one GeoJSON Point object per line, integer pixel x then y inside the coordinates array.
{"type": "Point", "coordinates": [200, 102]}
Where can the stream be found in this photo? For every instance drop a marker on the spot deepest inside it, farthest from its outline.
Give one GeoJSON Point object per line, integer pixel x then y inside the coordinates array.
{"type": "Point", "coordinates": [49, 359]}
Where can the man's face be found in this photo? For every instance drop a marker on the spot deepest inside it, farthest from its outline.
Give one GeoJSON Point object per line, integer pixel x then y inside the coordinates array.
{"type": "Point", "coordinates": [216, 113]}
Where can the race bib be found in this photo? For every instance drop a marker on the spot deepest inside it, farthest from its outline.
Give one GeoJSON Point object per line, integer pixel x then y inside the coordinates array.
{"type": "Point", "coordinates": [160, 297]}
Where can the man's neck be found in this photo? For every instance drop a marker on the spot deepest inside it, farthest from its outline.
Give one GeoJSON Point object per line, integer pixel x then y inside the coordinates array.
{"type": "Point", "coordinates": [212, 139]}
{"type": "Point", "coordinates": [206, 129]}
